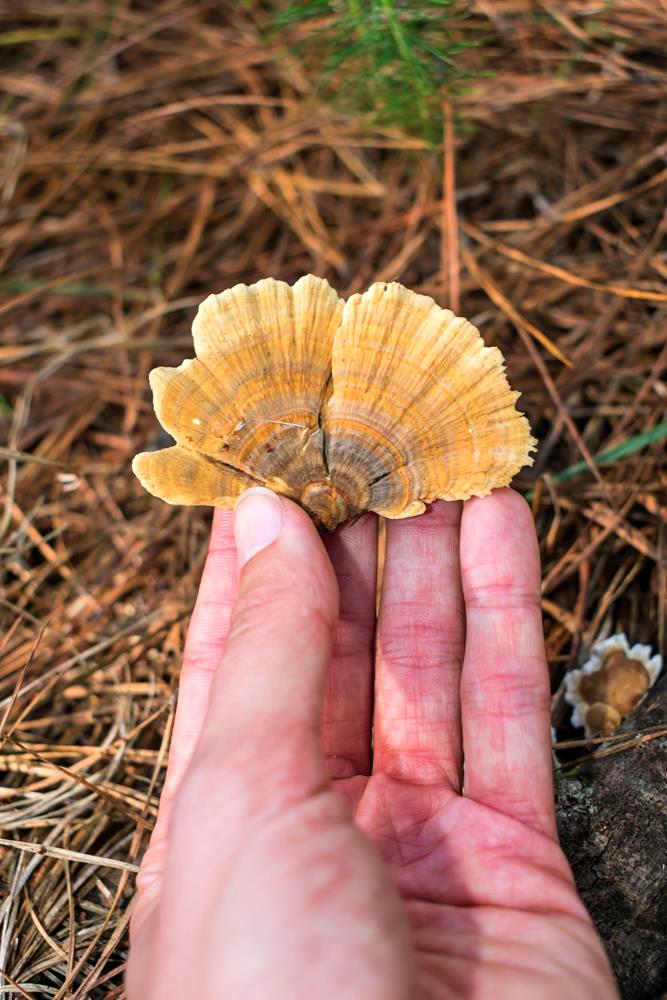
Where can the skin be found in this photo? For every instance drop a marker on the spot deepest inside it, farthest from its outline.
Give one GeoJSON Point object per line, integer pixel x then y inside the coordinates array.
{"type": "Point", "coordinates": [293, 858]}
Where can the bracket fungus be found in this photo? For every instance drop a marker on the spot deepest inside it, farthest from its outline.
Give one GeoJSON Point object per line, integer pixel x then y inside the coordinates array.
{"type": "Point", "coordinates": [609, 685]}
{"type": "Point", "coordinates": [384, 403]}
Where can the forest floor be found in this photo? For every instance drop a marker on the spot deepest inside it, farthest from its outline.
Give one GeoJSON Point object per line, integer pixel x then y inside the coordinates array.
{"type": "Point", "coordinates": [153, 152]}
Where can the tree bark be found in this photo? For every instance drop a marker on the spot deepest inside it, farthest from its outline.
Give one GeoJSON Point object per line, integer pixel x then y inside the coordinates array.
{"type": "Point", "coordinates": [612, 816]}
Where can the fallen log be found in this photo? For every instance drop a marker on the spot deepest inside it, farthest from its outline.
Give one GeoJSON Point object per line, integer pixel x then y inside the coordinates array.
{"type": "Point", "coordinates": [612, 817]}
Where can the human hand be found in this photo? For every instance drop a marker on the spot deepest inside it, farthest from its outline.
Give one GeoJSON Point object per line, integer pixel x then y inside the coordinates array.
{"type": "Point", "coordinates": [293, 855]}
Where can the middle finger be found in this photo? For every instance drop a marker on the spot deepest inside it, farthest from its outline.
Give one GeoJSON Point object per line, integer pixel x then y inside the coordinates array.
{"type": "Point", "coordinates": [419, 650]}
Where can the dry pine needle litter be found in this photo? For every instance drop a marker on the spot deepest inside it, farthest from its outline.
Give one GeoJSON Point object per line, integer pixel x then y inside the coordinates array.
{"type": "Point", "coordinates": [383, 402]}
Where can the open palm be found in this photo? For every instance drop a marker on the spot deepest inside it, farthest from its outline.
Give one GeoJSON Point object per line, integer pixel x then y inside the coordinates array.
{"type": "Point", "coordinates": [327, 836]}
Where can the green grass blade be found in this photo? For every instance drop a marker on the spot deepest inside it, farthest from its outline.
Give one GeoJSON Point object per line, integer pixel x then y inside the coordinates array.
{"type": "Point", "coordinates": [621, 450]}
{"type": "Point", "coordinates": [612, 455]}
{"type": "Point", "coordinates": [22, 37]}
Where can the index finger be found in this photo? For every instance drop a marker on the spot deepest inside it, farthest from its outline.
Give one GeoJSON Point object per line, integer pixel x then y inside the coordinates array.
{"type": "Point", "coordinates": [505, 682]}
{"type": "Point", "coordinates": [348, 704]}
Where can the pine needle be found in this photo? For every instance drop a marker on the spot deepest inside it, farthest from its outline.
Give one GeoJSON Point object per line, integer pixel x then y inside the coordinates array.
{"type": "Point", "coordinates": [396, 55]}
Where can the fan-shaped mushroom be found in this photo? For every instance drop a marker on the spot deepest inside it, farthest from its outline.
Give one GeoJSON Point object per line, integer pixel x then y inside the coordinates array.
{"type": "Point", "coordinates": [384, 403]}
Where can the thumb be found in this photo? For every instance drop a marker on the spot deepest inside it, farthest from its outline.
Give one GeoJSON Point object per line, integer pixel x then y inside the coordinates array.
{"type": "Point", "coordinates": [260, 741]}
{"type": "Point", "coordinates": [271, 680]}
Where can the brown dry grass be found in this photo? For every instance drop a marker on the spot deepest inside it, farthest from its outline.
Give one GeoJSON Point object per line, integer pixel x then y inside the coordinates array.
{"type": "Point", "coordinates": [153, 152]}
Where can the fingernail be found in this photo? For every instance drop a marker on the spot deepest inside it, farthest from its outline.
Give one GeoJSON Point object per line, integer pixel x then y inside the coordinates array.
{"type": "Point", "coordinates": [258, 521]}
